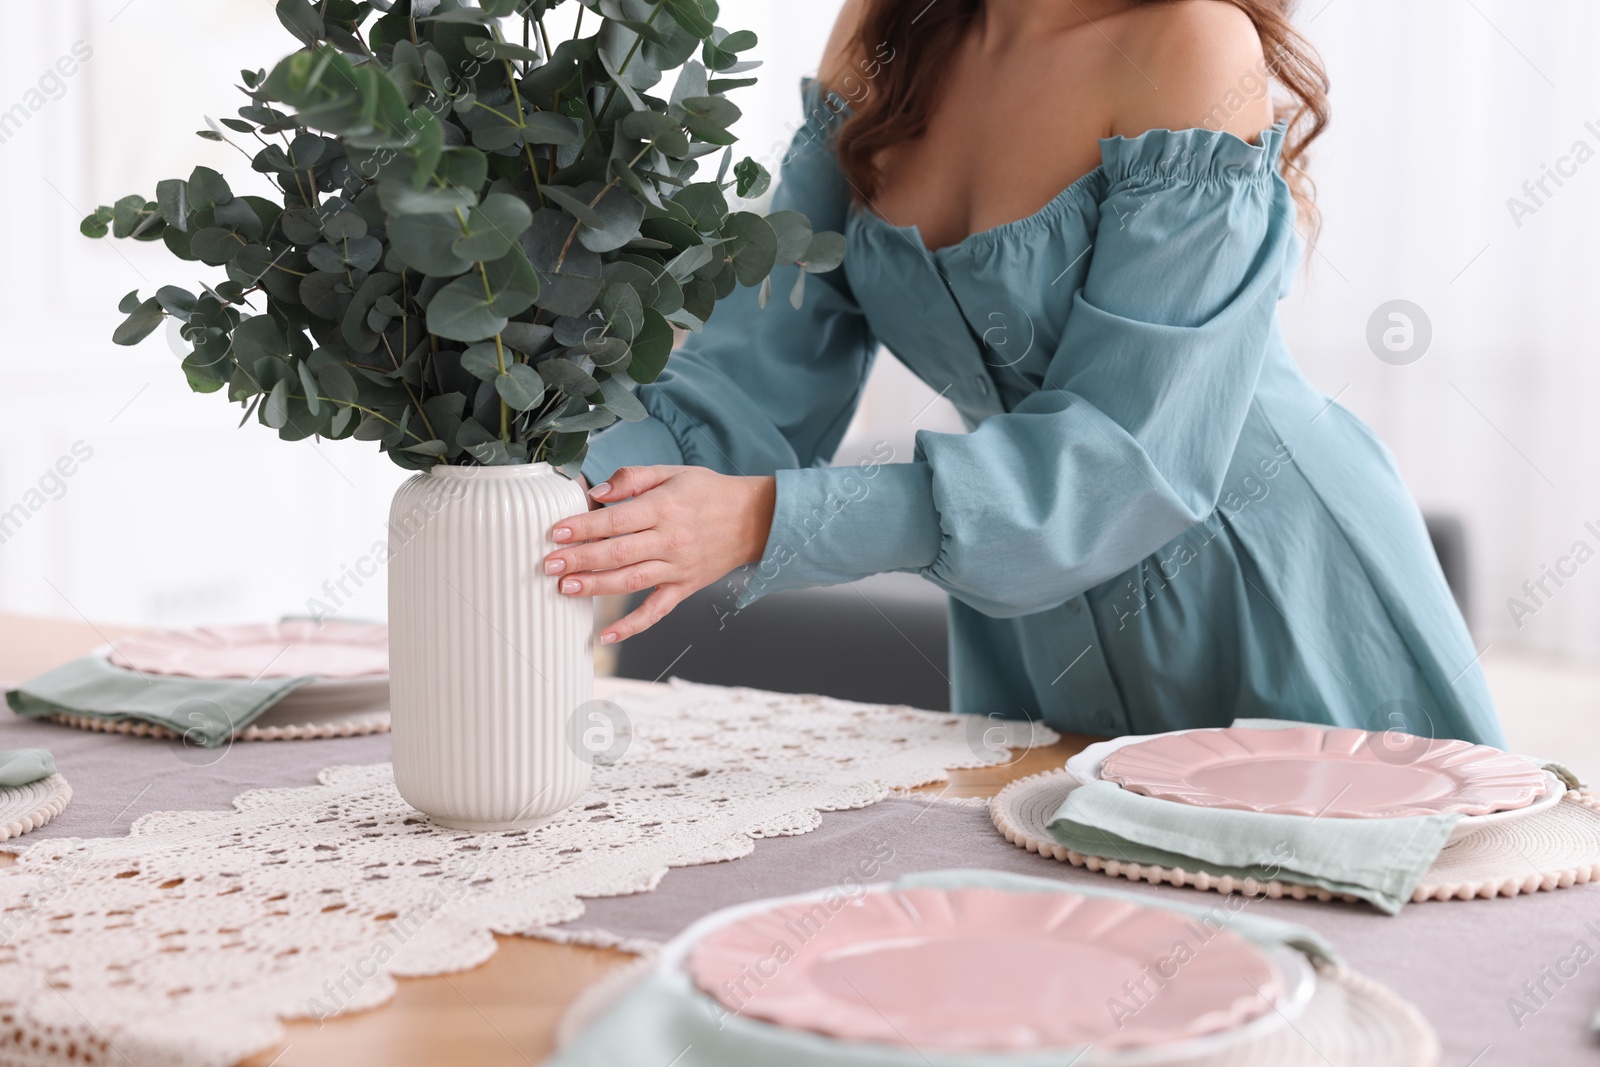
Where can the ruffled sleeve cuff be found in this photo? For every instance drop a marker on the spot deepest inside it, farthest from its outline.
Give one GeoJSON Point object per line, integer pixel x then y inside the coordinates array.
{"type": "Point", "coordinates": [840, 524]}
{"type": "Point", "coordinates": [1191, 155]}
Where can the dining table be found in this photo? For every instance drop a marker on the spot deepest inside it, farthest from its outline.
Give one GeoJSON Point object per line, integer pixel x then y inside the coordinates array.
{"type": "Point", "coordinates": [1501, 980]}
{"type": "Point", "coordinates": [503, 1013]}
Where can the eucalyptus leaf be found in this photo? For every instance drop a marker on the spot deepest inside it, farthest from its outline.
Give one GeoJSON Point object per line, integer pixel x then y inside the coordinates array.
{"type": "Point", "coordinates": [398, 199]}
{"type": "Point", "coordinates": [651, 347]}
{"type": "Point", "coordinates": [595, 419]}
{"type": "Point", "coordinates": [567, 376]}
{"type": "Point", "coordinates": [525, 336]}
{"type": "Point", "coordinates": [705, 205]}
{"type": "Point", "coordinates": [569, 273]}
{"type": "Point", "coordinates": [608, 353]}
{"type": "Point", "coordinates": [547, 127]}
{"type": "Point", "coordinates": [309, 384]}
{"type": "Point", "coordinates": [464, 228]}
{"type": "Point", "coordinates": [620, 82]}
{"type": "Point", "coordinates": [621, 402]}
{"type": "Point", "coordinates": [751, 177]}
{"type": "Point", "coordinates": [344, 226]}
{"type": "Point", "coordinates": [139, 324]}
{"type": "Point", "coordinates": [206, 188]}
{"type": "Point", "coordinates": [492, 228]}
{"type": "Point", "coordinates": [302, 225]}
{"type": "Point", "coordinates": [173, 196]}
{"type": "Point", "coordinates": [754, 248]}
{"type": "Point", "coordinates": [257, 338]}
{"type": "Point", "coordinates": [275, 411]}
{"type": "Point", "coordinates": [336, 383]}
{"type": "Point", "coordinates": [179, 303]}
{"type": "Point", "coordinates": [623, 310]}
{"type": "Point", "coordinates": [520, 386]}
{"type": "Point", "coordinates": [575, 206]}
{"type": "Point", "coordinates": [794, 234]}
{"type": "Point", "coordinates": [620, 216]}
{"type": "Point", "coordinates": [824, 253]}
{"type": "Point", "coordinates": [483, 361]}
{"type": "Point", "coordinates": [476, 306]}
{"type": "Point", "coordinates": [215, 245]}
{"type": "Point", "coordinates": [97, 224]}
{"type": "Point", "coordinates": [428, 243]}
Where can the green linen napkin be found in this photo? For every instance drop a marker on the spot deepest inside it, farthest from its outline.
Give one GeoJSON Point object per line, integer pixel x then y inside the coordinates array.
{"type": "Point", "coordinates": [666, 1020]}
{"type": "Point", "coordinates": [204, 711]}
{"type": "Point", "coordinates": [20, 766]}
{"type": "Point", "coordinates": [1378, 860]}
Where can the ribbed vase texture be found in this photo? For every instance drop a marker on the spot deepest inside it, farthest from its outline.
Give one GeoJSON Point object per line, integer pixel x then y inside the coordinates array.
{"type": "Point", "coordinates": [488, 663]}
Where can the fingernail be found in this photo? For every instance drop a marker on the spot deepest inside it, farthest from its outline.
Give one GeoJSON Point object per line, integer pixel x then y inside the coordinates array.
{"type": "Point", "coordinates": [571, 585]}
{"type": "Point", "coordinates": [600, 490]}
{"type": "Point", "coordinates": [608, 639]}
{"type": "Point", "coordinates": [554, 566]}
{"type": "Point", "coordinates": [562, 533]}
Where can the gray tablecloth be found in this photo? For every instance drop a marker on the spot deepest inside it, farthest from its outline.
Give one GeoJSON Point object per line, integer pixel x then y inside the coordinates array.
{"type": "Point", "coordinates": [1463, 963]}
{"type": "Point", "coordinates": [116, 778]}
{"type": "Point", "coordinates": [1499, 979]}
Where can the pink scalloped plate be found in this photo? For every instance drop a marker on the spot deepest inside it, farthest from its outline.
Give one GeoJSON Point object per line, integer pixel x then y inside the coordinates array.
{"type": "Point", "coordinates": [987, 969]}
{"type": "Point", "coordinates": [290, 649]}
{"type": "Point", "coordinates": [1313, 770]}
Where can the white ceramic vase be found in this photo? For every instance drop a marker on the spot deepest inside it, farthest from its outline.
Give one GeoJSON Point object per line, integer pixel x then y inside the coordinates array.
{"type": "Point", "coordinates": [488, 663]}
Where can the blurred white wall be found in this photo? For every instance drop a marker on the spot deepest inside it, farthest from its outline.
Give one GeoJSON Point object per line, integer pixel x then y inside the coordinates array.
{"type": "Point", "coordinates": [1443, 110]}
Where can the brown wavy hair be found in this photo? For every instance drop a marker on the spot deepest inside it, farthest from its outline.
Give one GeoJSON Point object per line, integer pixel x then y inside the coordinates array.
{"type": "Point", "coordinates": [914, 35]}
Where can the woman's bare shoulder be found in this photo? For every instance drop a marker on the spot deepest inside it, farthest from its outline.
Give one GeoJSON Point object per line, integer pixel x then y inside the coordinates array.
{"type": "Point", "coordinates": [1191, 63]}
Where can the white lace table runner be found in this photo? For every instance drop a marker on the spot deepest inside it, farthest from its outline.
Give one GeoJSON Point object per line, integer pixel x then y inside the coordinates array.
{"type": "Point", "coordinates": [188, 940]}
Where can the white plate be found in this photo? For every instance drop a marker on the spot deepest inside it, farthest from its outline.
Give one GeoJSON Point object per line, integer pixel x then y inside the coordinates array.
{"type": "Point", "coordinates": [1085, 767]}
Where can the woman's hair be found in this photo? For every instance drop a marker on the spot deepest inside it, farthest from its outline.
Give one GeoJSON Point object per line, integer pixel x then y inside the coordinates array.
{"type": "Point", "coordinates": [902, 45]}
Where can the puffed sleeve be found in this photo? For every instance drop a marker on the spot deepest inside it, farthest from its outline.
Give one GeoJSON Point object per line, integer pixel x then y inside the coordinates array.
{"type": "Point", "coordinates": [1127, 442]}
{"type": "Point", "coordinates": [761, 389]}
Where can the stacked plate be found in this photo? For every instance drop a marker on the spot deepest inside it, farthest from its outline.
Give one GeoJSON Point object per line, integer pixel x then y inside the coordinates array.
{"type": "Point", "coordinates": [348, 661]}
{"type": "Point", "coordinates": [1106, 980]}
{"type": "Point", "coordinates": [1319, 772]}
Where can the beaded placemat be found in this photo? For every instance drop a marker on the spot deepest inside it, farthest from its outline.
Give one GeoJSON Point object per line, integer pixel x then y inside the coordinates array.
{"type": "Point", "coordinates": [1553, 849]}
{"type": "Point", "coordinates": [28, 807]}
{"type": "Point", "coordinates": [374, 722]}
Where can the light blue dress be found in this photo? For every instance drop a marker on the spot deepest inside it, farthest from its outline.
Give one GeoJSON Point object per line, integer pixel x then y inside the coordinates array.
{"type": "Point", "coordinates": [1155, 521]}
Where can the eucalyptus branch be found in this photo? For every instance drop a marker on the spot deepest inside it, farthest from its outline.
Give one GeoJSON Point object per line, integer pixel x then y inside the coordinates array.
{"type": "Point", "coordinates": [375, 201]}
{"type": "Point", "coordinates": [638, 39]}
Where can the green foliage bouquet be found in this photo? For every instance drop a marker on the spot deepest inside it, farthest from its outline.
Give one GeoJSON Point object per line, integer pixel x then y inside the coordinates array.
{"type": "Point", "coordinates": [481, 245]}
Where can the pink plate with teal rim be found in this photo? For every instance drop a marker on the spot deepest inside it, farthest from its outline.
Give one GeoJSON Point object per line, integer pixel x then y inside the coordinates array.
{"type": "Point", "coordinates": [293, 648]}
{"type": "Point", "coordinates": [987, 969]}
{"type": "Point", "coordinates": [1313, 770]}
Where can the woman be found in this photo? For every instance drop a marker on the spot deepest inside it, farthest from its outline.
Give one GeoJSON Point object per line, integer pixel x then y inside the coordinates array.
{"type": "Point", "coordinates": [1155, 521]}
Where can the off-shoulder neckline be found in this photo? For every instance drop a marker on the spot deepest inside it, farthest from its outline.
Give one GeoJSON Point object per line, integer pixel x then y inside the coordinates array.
{"type": "Point", "coordinates": [1265, 142]}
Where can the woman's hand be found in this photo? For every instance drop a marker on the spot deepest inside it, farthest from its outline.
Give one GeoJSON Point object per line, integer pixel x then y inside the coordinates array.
{"type": "Point", "coordinates": [677, 529]}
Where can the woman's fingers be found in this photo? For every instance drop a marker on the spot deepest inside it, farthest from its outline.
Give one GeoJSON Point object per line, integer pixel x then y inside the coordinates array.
{"type": "Point", "coordinates": [625, 518]}
{"type": "Point", "coordinates": [604, 555]}
{"type": "Point", "coordinates": [632, 578]}
{"type": "Point", "coordinates": [631, 481]}
{"type": "Point", "coordinates": [646, 615]}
